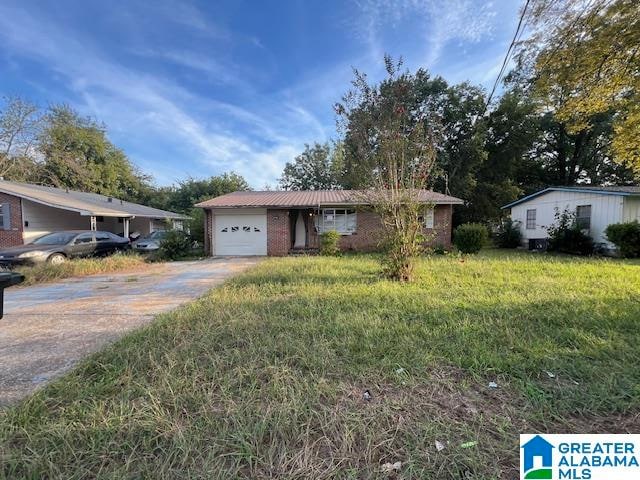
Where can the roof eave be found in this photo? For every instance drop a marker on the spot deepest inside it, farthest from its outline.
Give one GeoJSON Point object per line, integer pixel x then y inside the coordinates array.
{"type": "Point", "coordinates": [321, 204]}
{"type": "Point", "coordinates": [560, 189]}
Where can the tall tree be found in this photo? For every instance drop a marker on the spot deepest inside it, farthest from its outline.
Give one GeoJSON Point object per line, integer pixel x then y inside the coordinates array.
{"type": "Point", "coordinates": [586, 63]}
{"type": "Point", "coordinates": [399, 147]}
{"type": "Point", "coordinates": [457, 109]}
{"type": "Point", "coordinates": [316, 168]}
{"type": "Point", "coordinates": [76, 153]}
{"type": "Point", "coordinates": [20, 126]}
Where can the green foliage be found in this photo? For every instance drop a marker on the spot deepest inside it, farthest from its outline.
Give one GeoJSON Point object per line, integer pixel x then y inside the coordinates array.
{"type": "Point", "coordinates": [316, 168]}
{"type": "Point", "coordinates": [397, 145]}
{"type": "Point", "coordinates": [175, 245]}
{"type": "Point", "coordinates": [625, 236]}
{"type": "Point", "coordinates": [565, 235]}
{"type": "Point", "coordinates": [330, 243]}
{"type": "Point", "coordinates": [77, 154]}
{"type": "Point", "coordinates": [585, 64]}
{"type": "Point", "coordinates": [508, 234]}
{"type": "Point", "coordinates": [186, 194]}
{"type": "Point", "coordinates": [470, 237]}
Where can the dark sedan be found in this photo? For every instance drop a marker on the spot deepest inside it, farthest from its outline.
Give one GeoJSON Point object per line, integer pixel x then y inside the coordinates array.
{"type": "Point", "coordinates": [57, 247]}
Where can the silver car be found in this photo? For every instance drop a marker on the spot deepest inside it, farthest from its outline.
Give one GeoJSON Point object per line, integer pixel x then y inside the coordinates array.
{"type": "Point", "coordinates": [150, 242]}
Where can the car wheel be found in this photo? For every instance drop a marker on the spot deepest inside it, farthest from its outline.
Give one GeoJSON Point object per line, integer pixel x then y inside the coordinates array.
{"type": "Point", "coordinates": [56, 259]}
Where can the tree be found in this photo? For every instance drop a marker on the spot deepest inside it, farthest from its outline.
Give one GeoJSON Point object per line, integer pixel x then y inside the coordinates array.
{"type": "Point", "coordinates": [398, 143]}
{"type": "Point", "coordinates": [76, 153]}
{"type": "Point", "coordinates": [20, 124]}
{"type": "Point", "coordinates": [316, 168]}
{"type": "Point", "coordinates": [187, 193]}
{"type": "Point", "coordinates": [586, 62]}
{"type": "Point", "coordinates": [461, 146]}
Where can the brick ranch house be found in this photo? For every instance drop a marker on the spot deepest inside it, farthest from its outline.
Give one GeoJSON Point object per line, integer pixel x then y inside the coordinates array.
{"type": "Point", "coordinates": [276, 223]}
{"type": "Point", "coordinates": [29, 211]}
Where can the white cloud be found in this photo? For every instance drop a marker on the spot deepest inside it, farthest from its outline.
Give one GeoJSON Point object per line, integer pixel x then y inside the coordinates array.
{"type": "Point", "coordinates": [219, 136]}
{"type": "Point", "coordinates": [440, 23]}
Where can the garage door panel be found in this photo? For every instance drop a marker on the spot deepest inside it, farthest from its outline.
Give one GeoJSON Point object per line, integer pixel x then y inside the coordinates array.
{"type": "Point", "coordinates": [240, 234]}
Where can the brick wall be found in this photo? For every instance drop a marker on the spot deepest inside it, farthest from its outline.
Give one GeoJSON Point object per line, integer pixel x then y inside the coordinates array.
{"type": "Point", "coordinates": [369, 231]}
{"type": "Point", "coordinates": [442, 218]}
{"type": "Point", "coordinates": [12, 237]}
{"type": "Point", "coordinates": [208, 229]}
{"type": "Point", "coordinates": [278, 232]}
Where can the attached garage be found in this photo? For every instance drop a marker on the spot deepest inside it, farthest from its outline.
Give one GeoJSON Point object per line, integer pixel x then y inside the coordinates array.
{"type": "Point", "coordinates": [240, 232]}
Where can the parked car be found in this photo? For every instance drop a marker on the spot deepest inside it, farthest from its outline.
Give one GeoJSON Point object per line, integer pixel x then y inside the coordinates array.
{"type": "Point", "coordinates": [150, 242]}
{"type": "Point", "coordinates": [57, 247]}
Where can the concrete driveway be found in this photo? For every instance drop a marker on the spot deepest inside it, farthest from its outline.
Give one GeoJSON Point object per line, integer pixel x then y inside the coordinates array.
{"type": "Point", "coordinates": [48, 328]}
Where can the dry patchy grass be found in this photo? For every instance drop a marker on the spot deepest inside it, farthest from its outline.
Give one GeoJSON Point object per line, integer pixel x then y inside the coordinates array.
{"type": "Point", "coordinates": [46, 272]}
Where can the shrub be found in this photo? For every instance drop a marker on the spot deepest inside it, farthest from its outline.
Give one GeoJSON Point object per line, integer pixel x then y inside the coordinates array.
{"type": "Point", "coordinates": [508, 234]}
{"type": "Point", "coordinates": [176, 244]}
{"type": "Point", "coordinates": [329, 243]}
{"type": "Point", "coordinates": [565, 236]}
{"type": "Point", "coordinates": [470, 237]}
{"type": "Point", "coordinates": [625, 236]}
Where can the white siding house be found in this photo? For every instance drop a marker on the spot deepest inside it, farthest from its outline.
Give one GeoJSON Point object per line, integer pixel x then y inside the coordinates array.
{"type": "Point", "coordinates": [595, 207]}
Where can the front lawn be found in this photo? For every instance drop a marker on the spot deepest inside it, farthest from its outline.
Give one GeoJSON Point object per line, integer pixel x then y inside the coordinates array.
{"type": "Point", "coordinates": [264, 377]}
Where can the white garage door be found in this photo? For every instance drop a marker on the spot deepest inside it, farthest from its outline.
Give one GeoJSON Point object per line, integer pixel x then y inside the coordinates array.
{"type": "Point", "coordinates": [240, 234]}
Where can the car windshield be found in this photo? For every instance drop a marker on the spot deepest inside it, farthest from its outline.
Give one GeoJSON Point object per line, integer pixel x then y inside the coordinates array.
{"type": "Point", "coordinates": [58, 238]}
{"type": "Point", "coordinates": [157, 235]}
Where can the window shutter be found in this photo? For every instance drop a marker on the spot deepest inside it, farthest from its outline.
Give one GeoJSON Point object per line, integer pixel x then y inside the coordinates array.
{"type": "Point", "coordinates": [6, 216]}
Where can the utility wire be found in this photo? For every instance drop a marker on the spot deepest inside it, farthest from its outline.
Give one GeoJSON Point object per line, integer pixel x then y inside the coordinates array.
{"type": "Point", "coordinates": [515, 39]}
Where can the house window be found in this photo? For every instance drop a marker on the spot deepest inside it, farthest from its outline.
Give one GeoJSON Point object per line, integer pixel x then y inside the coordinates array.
{"type": "Point", "coordinates": [342, 220]}
{"type": "Point", "coordinates": [531, 219]}
{"type": "Point", "coordinates": [583, 217]}
{"type": "Point", "coordinates": [5, 216]}
{"type": "Point", "coordinates": [428, 218]}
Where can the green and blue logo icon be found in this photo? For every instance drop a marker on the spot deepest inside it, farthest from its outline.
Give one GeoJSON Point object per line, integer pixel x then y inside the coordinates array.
{"type": "Point", "coordinates": [536, 459]}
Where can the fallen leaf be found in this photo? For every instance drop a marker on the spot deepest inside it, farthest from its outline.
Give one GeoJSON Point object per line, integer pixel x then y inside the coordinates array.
{"type": "Point", "coordinates": [439, 446]}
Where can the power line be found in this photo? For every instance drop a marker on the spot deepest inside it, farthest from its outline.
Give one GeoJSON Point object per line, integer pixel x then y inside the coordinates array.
{"type": "Point", "coordinates": [515, 39]}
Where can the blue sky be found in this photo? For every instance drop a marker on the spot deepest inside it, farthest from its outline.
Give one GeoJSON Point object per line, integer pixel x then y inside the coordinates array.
{"type": "Point", "coordinates": [191, 88]}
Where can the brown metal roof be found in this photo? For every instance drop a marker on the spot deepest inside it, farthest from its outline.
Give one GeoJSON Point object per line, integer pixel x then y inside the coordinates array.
{"type": "Point", "coordinates": [308, 198]}
{"type": "Point", "coordinates": [85, 203]}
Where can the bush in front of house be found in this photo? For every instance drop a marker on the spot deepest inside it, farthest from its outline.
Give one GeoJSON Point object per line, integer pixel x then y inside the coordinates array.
{"type": "Point", "coordinates": [565, 236]}
{"type": "Point", "coordinates": [508, 234]}
{"type": "Point", "coordinates": [470, 237]}
{"type": "Point", "coordinates": [176, 244]}
{"type": "Point", "coordinates": [329, 243]}
{"type": "Point", "coordinates": [625, 236]}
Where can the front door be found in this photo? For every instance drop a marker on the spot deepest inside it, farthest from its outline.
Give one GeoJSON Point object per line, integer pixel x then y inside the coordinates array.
{"type": "Point", "coordinates": [300, 232]}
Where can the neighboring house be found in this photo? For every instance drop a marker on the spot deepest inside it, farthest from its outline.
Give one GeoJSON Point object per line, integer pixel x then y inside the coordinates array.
{"type": "Point", "coordinates": [30, 211]}
{"type": "Point", "coordinates": [277, 222]}
{"type": "Point", "coordinates": [595, 209]}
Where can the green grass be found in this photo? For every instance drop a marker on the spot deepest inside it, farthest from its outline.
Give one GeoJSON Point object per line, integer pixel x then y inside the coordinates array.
{"type": "Point", "coordinates": [45, 272]}
{"type": "Point", "coordinates": [263, 377]}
